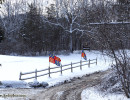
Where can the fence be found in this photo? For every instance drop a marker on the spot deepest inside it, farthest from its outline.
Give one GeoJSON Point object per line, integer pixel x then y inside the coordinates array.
{"type": "Point", "coordinates": [61, 69]}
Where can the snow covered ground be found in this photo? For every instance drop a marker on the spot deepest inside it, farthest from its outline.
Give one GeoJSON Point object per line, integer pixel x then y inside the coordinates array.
{"type": "Point", "coordinates": [13, 65]}
{"type": "Point", "coordinates": [93, 94]}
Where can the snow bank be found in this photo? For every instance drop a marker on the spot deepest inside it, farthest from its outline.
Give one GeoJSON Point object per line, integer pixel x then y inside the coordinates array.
{"type": "Point", "coordinates": [14, 84]}
{"type": "Point", "coordinates": [93, 94]}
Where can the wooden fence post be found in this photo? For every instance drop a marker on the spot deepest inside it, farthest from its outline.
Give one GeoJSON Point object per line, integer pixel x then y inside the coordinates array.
{"type": "Point", "coordinates": [71, 67]}
{"type": "Point", "coordinates": [89, 63]}
{"type": "Point", "coordinates": [36, 74]}
{"type": "Point", "coordinates": [80, 64]}
{"type": "Point", "coordinates": [61, 69]}
{"type": "Point", "coordinates": [49, 70]}
{"type": "Point", "coordinates": [20, 75]}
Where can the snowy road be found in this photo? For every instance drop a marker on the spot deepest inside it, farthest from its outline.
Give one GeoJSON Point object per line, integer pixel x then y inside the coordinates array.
{"type": "Point", "coordinates": [84, 88]}
{"type": "Point", "coordinates": [70, 90]}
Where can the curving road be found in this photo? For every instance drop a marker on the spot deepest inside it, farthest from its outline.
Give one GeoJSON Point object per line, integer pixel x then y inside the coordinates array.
{"type": "Point", "coordinates": [70, 90]}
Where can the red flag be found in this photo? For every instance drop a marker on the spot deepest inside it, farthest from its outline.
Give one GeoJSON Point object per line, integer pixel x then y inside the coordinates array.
{"type": "Point", "coordinates": [52, 60]}
{"type": "Point", "coordinates": [58, 59]}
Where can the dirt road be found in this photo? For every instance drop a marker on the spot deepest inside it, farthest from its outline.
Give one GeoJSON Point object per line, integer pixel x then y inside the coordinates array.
{"type": "Point", "coordinates": [71, 90]}
{"type": "Point", "coordinates": [68, 91]}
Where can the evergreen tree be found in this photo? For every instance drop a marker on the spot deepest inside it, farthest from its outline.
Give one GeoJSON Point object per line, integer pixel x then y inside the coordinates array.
{"type": "Point", "coordinates": [51, 12]}
{"type": "Point", "coordinates": [32, 30]}
{"type": "Point", "coordinates": [1, 34]}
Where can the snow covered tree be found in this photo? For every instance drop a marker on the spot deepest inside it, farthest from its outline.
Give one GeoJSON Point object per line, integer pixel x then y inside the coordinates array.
{"type": "Point", "coordinates": [11, 21]}
{"type": "Point", "coordinates": [68, 17]}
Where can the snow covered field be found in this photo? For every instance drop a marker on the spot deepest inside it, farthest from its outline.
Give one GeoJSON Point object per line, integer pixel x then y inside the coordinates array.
{"type": "Point", "coordinates": [13, 65]}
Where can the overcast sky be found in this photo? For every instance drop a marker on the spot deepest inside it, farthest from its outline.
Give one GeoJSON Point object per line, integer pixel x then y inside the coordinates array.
{"type": "Point", "coordinates": [41, 3]}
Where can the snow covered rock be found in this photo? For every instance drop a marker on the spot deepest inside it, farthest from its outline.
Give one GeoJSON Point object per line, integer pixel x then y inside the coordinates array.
{"type": "Point", "coordinates": [38, 84]}
{"type": "Point", "coordinates": [34, 84]}
{"type": "Point", "coordinates": [44, 84]}
{"type": "Point", "coordinates": [13, 84]}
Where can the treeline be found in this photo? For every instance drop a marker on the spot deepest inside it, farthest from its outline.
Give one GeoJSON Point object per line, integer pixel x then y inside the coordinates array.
{"type": "Point", "coordinates": [64, 27]}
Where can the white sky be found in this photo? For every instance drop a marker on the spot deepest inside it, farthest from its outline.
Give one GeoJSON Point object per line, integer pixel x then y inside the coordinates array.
{"type": "Point", "coordinates": [23, 4]}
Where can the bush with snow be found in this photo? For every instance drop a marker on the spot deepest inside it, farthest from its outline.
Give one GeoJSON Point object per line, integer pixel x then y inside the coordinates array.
{"type": "Point", "coordinates": [13, 84]}
{"type": "Point", "coordinates": [111, 83]}
{"type": "Point", "coordinates": [35, 84]}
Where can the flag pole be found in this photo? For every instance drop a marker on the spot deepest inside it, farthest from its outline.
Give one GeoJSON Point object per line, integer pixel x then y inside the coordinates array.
{"type": "Point", "coordinates": [81, 55]}
{"type": "Point", "coordinates": [49, 60]}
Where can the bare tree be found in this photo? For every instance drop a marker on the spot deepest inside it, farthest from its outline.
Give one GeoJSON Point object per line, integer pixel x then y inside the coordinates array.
{"type": "Point", "coordinates": [11, 21]}
{"type": "Point", "coordinates": [113, 39]}
{"type": "Point", "coordinates": [12, 17]}
{"type": "Point", "coordinates": [68, 15]}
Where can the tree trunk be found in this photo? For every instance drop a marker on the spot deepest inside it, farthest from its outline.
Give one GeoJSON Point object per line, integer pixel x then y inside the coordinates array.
{"type": "Point", "coordinates": [71, 43]}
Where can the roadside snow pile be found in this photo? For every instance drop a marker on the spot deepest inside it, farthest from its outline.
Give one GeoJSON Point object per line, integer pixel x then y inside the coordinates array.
{"type": "Point", "coordinates": [93, 94]}
{"type": "Point", "coordinates": [22, 84]}
{"type": "Point", "coordinates": [111, 83]}
{"type": "Point", "coordinates": [36, 84]}
{"type": "Point", "coordinates": [13, 84]}
{"type": "Point", "coordinates": [109, 89]}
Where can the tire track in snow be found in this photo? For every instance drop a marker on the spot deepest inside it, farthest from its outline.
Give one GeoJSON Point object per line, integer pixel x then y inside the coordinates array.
{"type": "Point", "coordinates": [71, 90]}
